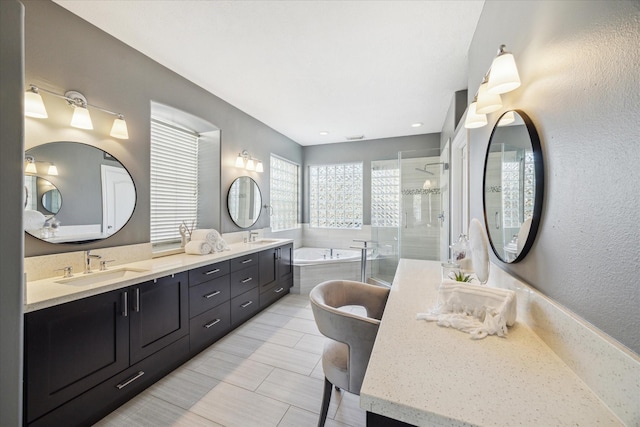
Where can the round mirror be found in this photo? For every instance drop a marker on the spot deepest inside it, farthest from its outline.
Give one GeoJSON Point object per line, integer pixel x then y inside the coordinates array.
{"type": "Point", "coordinates": [98, 192]}
{"type": "Point", "coordinates": [513, 186]}
{"type": "Point", "coordinates": [244, 202]}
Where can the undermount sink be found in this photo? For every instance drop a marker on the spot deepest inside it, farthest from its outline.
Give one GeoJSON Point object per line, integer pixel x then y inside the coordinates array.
{"type": "Point", "coordinates": [100, 276]}
{"type": "Point", "coordinates": [264, 241]}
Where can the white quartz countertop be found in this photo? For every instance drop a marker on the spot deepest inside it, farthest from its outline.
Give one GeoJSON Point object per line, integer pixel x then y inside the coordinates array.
{"type": "Point", "coordinates": [424, 374]}
{"type": "Point", "coordinates": [48, 292]}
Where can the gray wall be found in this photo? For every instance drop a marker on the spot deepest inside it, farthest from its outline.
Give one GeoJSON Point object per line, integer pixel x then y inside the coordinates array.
{"type": "Point", "coordinates": [578, 62]}
{"type": "Point", "coordinates": [64, 52]}
{"type": "Point", "coordinates": [11, 235]}
{"type": "Point", "coordinates": [364, 151]}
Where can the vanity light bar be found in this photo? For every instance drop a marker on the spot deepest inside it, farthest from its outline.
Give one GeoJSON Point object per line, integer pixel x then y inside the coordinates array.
{"type": "Point", "coordinates": [34, 107]}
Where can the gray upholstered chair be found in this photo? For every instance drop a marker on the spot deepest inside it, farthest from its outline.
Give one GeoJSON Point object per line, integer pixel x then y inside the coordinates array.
{"type": "Point", "coordinates": [346, 354]}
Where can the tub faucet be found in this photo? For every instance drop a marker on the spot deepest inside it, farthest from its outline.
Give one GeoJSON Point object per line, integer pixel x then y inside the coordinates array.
{"type": "Point", "coordinates": [88, 256]}
{"type": "Point", "coordinates": [331, 253]}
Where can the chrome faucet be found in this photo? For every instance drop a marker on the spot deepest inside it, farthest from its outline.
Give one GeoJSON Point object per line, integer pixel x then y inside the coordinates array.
{"type": "Point", "coordinates": [88, 256]}
{"type": "Point", "coordinates": [253, 235]}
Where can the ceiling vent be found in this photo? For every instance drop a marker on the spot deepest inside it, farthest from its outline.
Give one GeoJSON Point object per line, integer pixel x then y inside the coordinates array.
{"type": "Point", "coordinates": [354, 137]}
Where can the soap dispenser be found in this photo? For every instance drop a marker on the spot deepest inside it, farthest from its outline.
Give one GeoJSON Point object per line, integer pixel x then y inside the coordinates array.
{"type": "Point", "coordinates": [461, 253]}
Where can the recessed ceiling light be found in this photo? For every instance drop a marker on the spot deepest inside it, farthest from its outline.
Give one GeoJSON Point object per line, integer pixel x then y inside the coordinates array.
{"type": "Point", "coordinates": [416, 125]}
{"type": "Point", "coordinates": [324, 132]}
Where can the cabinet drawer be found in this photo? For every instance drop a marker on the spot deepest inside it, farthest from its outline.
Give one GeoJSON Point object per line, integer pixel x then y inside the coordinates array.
{"type": "Point", "coordinates": [207, 295]}
{"type": "Point", "coordinates": [209, 326]}
{"type": "Point", "coordinates": [244, 280]}
{"type": "Point", "coordinates": [208, 272]}
{"type": "Point", "coordinates": [272, 294]}
{"type": "Point", "coordinates": [244, 261]}
{"type": "Point", "coordinates": [244, 306]}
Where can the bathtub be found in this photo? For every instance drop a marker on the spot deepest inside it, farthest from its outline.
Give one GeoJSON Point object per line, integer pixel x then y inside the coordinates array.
{"type": "Point", "coordinates": [312, 266]}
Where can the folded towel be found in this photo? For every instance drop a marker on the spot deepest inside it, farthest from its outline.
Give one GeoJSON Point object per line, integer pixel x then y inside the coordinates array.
{"type": "Point", "coordinates": [33, 220]}
{"type": "Point", "coordinates": [198, 247]}
{"type": "Point", "coordinates": [212, 237]}
{"type": "Point", "coordinates": [476, 309]}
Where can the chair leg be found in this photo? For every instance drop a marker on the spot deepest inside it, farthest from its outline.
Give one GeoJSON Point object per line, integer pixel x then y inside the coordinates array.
{"type": "Point", "coordinates": [325, 402]}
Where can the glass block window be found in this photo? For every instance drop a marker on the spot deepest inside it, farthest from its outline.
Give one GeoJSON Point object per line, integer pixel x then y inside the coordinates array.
{"type": "Point", "coordinates": [335, 196]}
{"type": "Point", "coordinates": [385, 197]}
{"type": "Point", "coordinates": [511, 194]}
{"type": "Point", "coordinates": [284, 186]}
{"type": "Point", "coordinates": [529, 180]}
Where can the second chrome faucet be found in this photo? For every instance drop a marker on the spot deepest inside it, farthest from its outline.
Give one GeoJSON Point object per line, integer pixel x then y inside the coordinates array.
{"type": "Point", "coordinates": [88, 256]}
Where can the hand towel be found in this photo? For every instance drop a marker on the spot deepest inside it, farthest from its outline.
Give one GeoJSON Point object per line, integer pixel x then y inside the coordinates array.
{"type": "Point", "coordinates": [33, 220]}
{"type": "Point", "coordinates": [478, 310]}
{"type": "Point", "coordinates": [198, 247]}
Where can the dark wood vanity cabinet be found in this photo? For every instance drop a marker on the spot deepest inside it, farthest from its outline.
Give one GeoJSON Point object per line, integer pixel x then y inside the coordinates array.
{"type": "Point", "coordinates": [85, 358]}
{"type": "Point", "coordinates": [74, 351]}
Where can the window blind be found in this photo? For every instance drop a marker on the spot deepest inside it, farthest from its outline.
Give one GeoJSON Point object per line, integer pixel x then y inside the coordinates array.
{"type": "Point", "coordinates": [174, 181]}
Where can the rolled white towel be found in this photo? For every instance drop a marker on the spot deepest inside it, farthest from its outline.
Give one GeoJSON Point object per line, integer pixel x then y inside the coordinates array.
{"type": "Point", "coordinates": [33, 220]}
{"type": "Point", "coordinates": [208, 234]}
{"type": "Point", "coordinates": [198, 247]}
{"type": "Point", "coordinates": [220, 246]}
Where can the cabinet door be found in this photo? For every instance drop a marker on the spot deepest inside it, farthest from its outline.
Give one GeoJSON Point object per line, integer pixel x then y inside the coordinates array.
{"type": "Point", "coordinates": [73, 347]}
{"type": "Point", "coordinates": [268, 265]}
{"type": "Point", "coordinates": [285, 266]}
{"type": "Point", "coordinates": [159, 314]}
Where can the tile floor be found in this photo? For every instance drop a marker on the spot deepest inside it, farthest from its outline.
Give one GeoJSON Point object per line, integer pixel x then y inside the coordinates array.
{"type": "Point", "coordinates": [266, 372]}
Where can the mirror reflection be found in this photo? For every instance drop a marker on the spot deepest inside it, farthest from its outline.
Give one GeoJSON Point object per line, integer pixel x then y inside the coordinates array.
{"type": "Point", "coordinates": [244, 202]}
{"type": "Point", "coordinates": [513, 183]}
{"type": "Point", "coordinates": [98, 192]}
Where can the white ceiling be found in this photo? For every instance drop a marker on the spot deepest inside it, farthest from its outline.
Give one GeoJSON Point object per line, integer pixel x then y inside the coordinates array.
{"type": "Point", "coordinates": [351, 68]}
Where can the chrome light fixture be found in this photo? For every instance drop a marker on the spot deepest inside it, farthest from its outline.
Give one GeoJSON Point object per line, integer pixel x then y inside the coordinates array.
{"type": "Point", "coordinates": [53, 170]}
{"type": "Point", "coordinates": [487, 102]}
{"type": "Point", "coordinates": [244, 160]}
{"type": "Point", "coordinates": [34, 107]}
{"type": "Point", "coordinates": [31, 165]}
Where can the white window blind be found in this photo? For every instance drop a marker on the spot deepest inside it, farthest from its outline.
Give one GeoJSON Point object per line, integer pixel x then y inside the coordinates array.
{"type": "Point", "coordinates": [284, 194]}
{"type": "Point", "coordinates": [174, 181]}
{"type": "Point", "coordinates": [336, 196]}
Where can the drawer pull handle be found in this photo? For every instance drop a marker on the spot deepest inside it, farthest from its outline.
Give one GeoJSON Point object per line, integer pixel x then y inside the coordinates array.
{"type": "Point", "coordinates": [212, 271]}
{"type": "Point", "coordinates": [212, 294]}
{"type": "Point", "coordinates": [248, 279]}
{"type": "Point", "coordinates": [246, 261]}
{"type": "Point", "coordinates": [246, 304]}
{"type": "Point", "coordinates": [130, 380]}
{"type": "Point", "coordinates": [136, 306]}
{"type": "Point", "coordinates": [208, 325]}
{"type": "Point", "coordinates": [277, 291]}
{"type": "Point", "coordinates": [125, 304]}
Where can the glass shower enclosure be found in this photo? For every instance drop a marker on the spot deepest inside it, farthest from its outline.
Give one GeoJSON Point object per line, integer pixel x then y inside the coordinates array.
{"type": "Point", "coordinates": [409, 209]}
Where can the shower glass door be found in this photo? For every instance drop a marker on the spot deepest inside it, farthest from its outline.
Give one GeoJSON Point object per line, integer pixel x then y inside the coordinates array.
{"type": "Point", "coordinates": [408, 209]}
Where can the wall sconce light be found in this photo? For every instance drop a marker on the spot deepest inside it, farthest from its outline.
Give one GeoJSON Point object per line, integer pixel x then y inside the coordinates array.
{"type": "Point", "coordinates": [474, 120]}
{"type": "Point", "coordinates": [34, 107]}
{"type": "Point", "coordinates": [31, 166]}
{"type": "Point", "coordinates": [504, 75]}
{"type": "Point", "coordinates": [244, 160]}
{"type": "Point", "coordinates": [501, 78]}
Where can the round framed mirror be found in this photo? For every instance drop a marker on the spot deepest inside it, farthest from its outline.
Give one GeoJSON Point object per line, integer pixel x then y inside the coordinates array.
{"type": "Point", "coordinates": [244, 202]}
{"type": "Point", "coordinates": [98, 192]}
{"type": "Point", "coordinates": [513, 186]}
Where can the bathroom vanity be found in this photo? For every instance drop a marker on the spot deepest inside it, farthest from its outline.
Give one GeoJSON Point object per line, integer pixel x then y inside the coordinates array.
{"type": "Point", "coordinates": [94, 341]}
{"type": "Point", "coordinates": [550, 370]}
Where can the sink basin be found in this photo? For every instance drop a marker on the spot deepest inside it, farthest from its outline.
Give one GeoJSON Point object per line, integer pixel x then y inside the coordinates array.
{"type": "Point", "coordinates": [264, 241]}
{"type": "Point", "coordinates": [100, 276]}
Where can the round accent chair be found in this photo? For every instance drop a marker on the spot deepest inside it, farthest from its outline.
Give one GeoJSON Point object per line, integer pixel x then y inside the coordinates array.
{"type": "Point", "coordinates": [346, 354]}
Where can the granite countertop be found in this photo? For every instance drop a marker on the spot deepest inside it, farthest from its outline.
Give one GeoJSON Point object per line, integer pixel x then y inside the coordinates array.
{"type": "Point", "coordinates": [48, 292]}
{"type": "Point", "coordinates": [424, 374]}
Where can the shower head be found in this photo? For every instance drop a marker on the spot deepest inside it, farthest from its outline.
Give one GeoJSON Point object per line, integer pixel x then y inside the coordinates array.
{"type": "Point", "coordinates": [425, 170]}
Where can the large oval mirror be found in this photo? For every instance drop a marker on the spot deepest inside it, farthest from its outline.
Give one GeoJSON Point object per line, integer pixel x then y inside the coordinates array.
{"type": "Point", "coordinates": [513, 186]}
{"type": "Point", "coordinates": [98, 192]}
{"type": "Point", "coordinates": [244, 202]}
